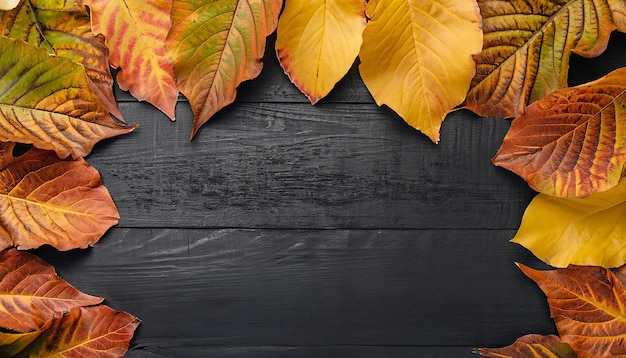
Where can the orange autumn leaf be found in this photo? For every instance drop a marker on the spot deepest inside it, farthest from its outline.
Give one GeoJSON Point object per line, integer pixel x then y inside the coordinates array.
{"type": "Point", "coordinates": [31, 293]}
{"type": "Point", "coordinates": [571, 144]}
{"type": "Point", "coordinates": [46, 200]}
{"type": "Point", "coordinates": [45, 101]}
{"type": "Point", "coordinates": [135, 32]}
{"type": "Point", "coordinates": [587, 305]}
{"type": "Point", "coordinates": [318, 41]}
{"type": "Point", "coordinates": [531, 346]}
{"type": "Point", "coordinates": [527, 46]}
{"type": "Point", "coordinates": [416, 57]}
{"type": "Point", "coordinates": [96, 332]}
{"type": "Point", "coordinates": [216, 45]}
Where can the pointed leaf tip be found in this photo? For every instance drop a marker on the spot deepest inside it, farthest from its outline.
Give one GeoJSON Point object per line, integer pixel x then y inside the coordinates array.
{"type": "Point", "coordinates": [422, 66]}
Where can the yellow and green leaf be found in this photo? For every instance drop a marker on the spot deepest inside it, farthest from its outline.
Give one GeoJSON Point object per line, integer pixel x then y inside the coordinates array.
{"type": "Point", "coordinates": [572, 143]}
{"type": "Point", "coordinates": [45, 101]}
{"type": "Point", "coordinates": [135, 32]}
{"type": "Point", "coordinates": [64, 30]}
{"type": "Point", "coordinates": [318, 42]}
{"type": "Point", "coordinates": [216, 45]}
{"type": "Point", "coordinates": [527, 46]}
{"type": "Point", "coordinates": [589, 231]}
{"type": "Point", "coordinates": [416, 57]}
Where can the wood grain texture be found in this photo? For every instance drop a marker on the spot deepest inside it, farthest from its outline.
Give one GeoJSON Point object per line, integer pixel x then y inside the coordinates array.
{"type": "Point", "coordinates": [297, 166]}
{"type": "Point", "coordinates": [198, 290]}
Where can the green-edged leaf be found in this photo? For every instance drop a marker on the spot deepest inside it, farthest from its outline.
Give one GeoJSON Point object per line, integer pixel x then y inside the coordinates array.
{"type": "Point", "coordinates": [587, 305]}
{"type": "Point", "coordinates": [527, 46]}
{"type": "Point", "coordinates": [95, 332]}
{"type": "Point", "coordinates": [318, 41]}
{"type": "Point", "coordinates": [531, 346]}
{"type": "Point", "coordinates": [64, 30]}
{"type": "Point", "coordinates": [45, 101]}
{"type": "Point", "coordinates": [216, 45]}
{"type": "Point", "coordinates": [46, 200]}
{"type": "Point", "coordinates": [573, 142]}
{"type": "Point", "coordinates": [31, 293]}
{"type": "Point", "coordinates": [589, 231]}
{"type": "Point", "coordinates": [416, 57]}
{"type": "Point", "coordinates": [135, 32]}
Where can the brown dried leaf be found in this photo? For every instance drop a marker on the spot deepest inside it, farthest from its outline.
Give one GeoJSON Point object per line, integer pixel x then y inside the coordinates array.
{"type": "Point", "coordinates": [46, 200]}
{"type": "Point", "coordinates": [532, 345]}
{"type": "Point", "coordinates": [587, 305]}
{"type": "Point", "coordinates": [31, 293]}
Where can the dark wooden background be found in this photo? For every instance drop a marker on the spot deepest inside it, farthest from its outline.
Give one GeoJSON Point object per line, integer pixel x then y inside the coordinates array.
{"type": "Point", "coordinates": [335, 230]}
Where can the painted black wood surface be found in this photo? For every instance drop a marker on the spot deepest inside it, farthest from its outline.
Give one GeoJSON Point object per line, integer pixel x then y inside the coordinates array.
{"type": "Point", "coordinates": [335, 230]}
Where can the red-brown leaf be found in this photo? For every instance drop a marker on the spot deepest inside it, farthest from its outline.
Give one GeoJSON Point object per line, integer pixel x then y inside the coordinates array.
{"type": "Point", "coordinates": [31, 293]}
{"type": "Point", "coordinates": [587, 305]}
{"type": "Point", "coordinates": [571, 144]}
{"type": "Point", "coordinates": [46, 200]}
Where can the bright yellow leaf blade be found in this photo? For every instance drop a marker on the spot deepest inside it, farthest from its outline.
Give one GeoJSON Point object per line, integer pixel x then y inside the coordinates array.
{"type": "Point", "coordinates": [135, 32]}
{"type": "Point", "coordinates": [216, 45]}
{"type": "Point", "coordinates": [527, 46]}
{"type": "Point", "coordinates": [589, 231]}
{"type": "Point", "coordinates": [318, 41]}
{"type": "Point", "coordinates": [417, 57]}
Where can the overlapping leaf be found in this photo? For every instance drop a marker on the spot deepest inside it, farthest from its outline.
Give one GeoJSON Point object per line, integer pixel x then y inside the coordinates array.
{"type": "Point", "coordinates": [318, 41]}
{"type": "Point", "coordinates": [64, 29]}
{"type": "Point", "coordinates": [531, 346]}
{"type": "Point", "coordinates": [587, 305]}
{"type": "Point", "coordinates": [571, 144]}
{"type": "Point", "coordinates": [527, 45]}
{"type": "Point", "coordinates": [589, 231]}
{"type": "Point", "coordinates": [135, 32]}
{"type": "Point", "coordinates": [46, 200]}
{"type": "Point", "coordinates": [31, 293]}
{"type": "Point", "coordinates": [416, 57]}
{"type": "Point", "coordinates": [97, 331]}
{"type": "Point", "coordinates": [45, 101]}
{"type": "Point", "coordinates": [216, 45]}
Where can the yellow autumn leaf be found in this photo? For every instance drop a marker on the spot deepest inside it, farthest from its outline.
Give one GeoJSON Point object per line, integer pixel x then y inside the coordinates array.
{"type": "Point", "coordinates": [318, 41]}
{"type": "Point", "coordinates": [589, 231]}
{"type": "Point", "coordinates": [417, 57]}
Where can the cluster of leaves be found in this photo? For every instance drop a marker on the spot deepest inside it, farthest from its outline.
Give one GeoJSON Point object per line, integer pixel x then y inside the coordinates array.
{"type": "Point", "coordinates": [43, 316]}
{"type": "Point", "coordinates": [423, 59]}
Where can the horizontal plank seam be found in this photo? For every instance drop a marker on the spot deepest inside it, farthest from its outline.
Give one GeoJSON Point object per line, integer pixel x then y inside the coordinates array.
{"type": "Point", "coordinates": [313, 228]}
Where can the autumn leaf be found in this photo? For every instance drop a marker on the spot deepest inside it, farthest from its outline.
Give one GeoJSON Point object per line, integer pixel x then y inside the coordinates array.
{"type": "Point", "coordinates": [532, 345]}
{"type": "Point", "coordinates": [527, 46]}
{"type": "Point", "coordinates": [318, 41]}
{"type": "Point", "coordinates": [45, 101]}
{"type": "Point", "coordinates": [46, 200]}
{"type": "Point", "coordinates": [416, 57]}
{"type": "Point", "coordinates": [96, 331]}
{"type": "Point", "coordinates": [20, 23]}
{"type": "Point", "coordinates": [31, 293]}
{"type": "Point", "coordinates": [587, 305]}
{"type": "Point", "coordinates": [589, 231]}
{"type": "Point", "coordinates": [135, 32]}
{"type": "Point", "coordinates": [571, 144]}
{"type": "Point", "coordinates": [216, 45]}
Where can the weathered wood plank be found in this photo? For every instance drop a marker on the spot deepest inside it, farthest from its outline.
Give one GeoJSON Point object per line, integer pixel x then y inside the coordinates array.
{"type": "Point", "coordinates": [294, 166]}
{"type": "Point", "coordinates": [201, 289]}
{"type": "Point", "coordinates": [190, 351]}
